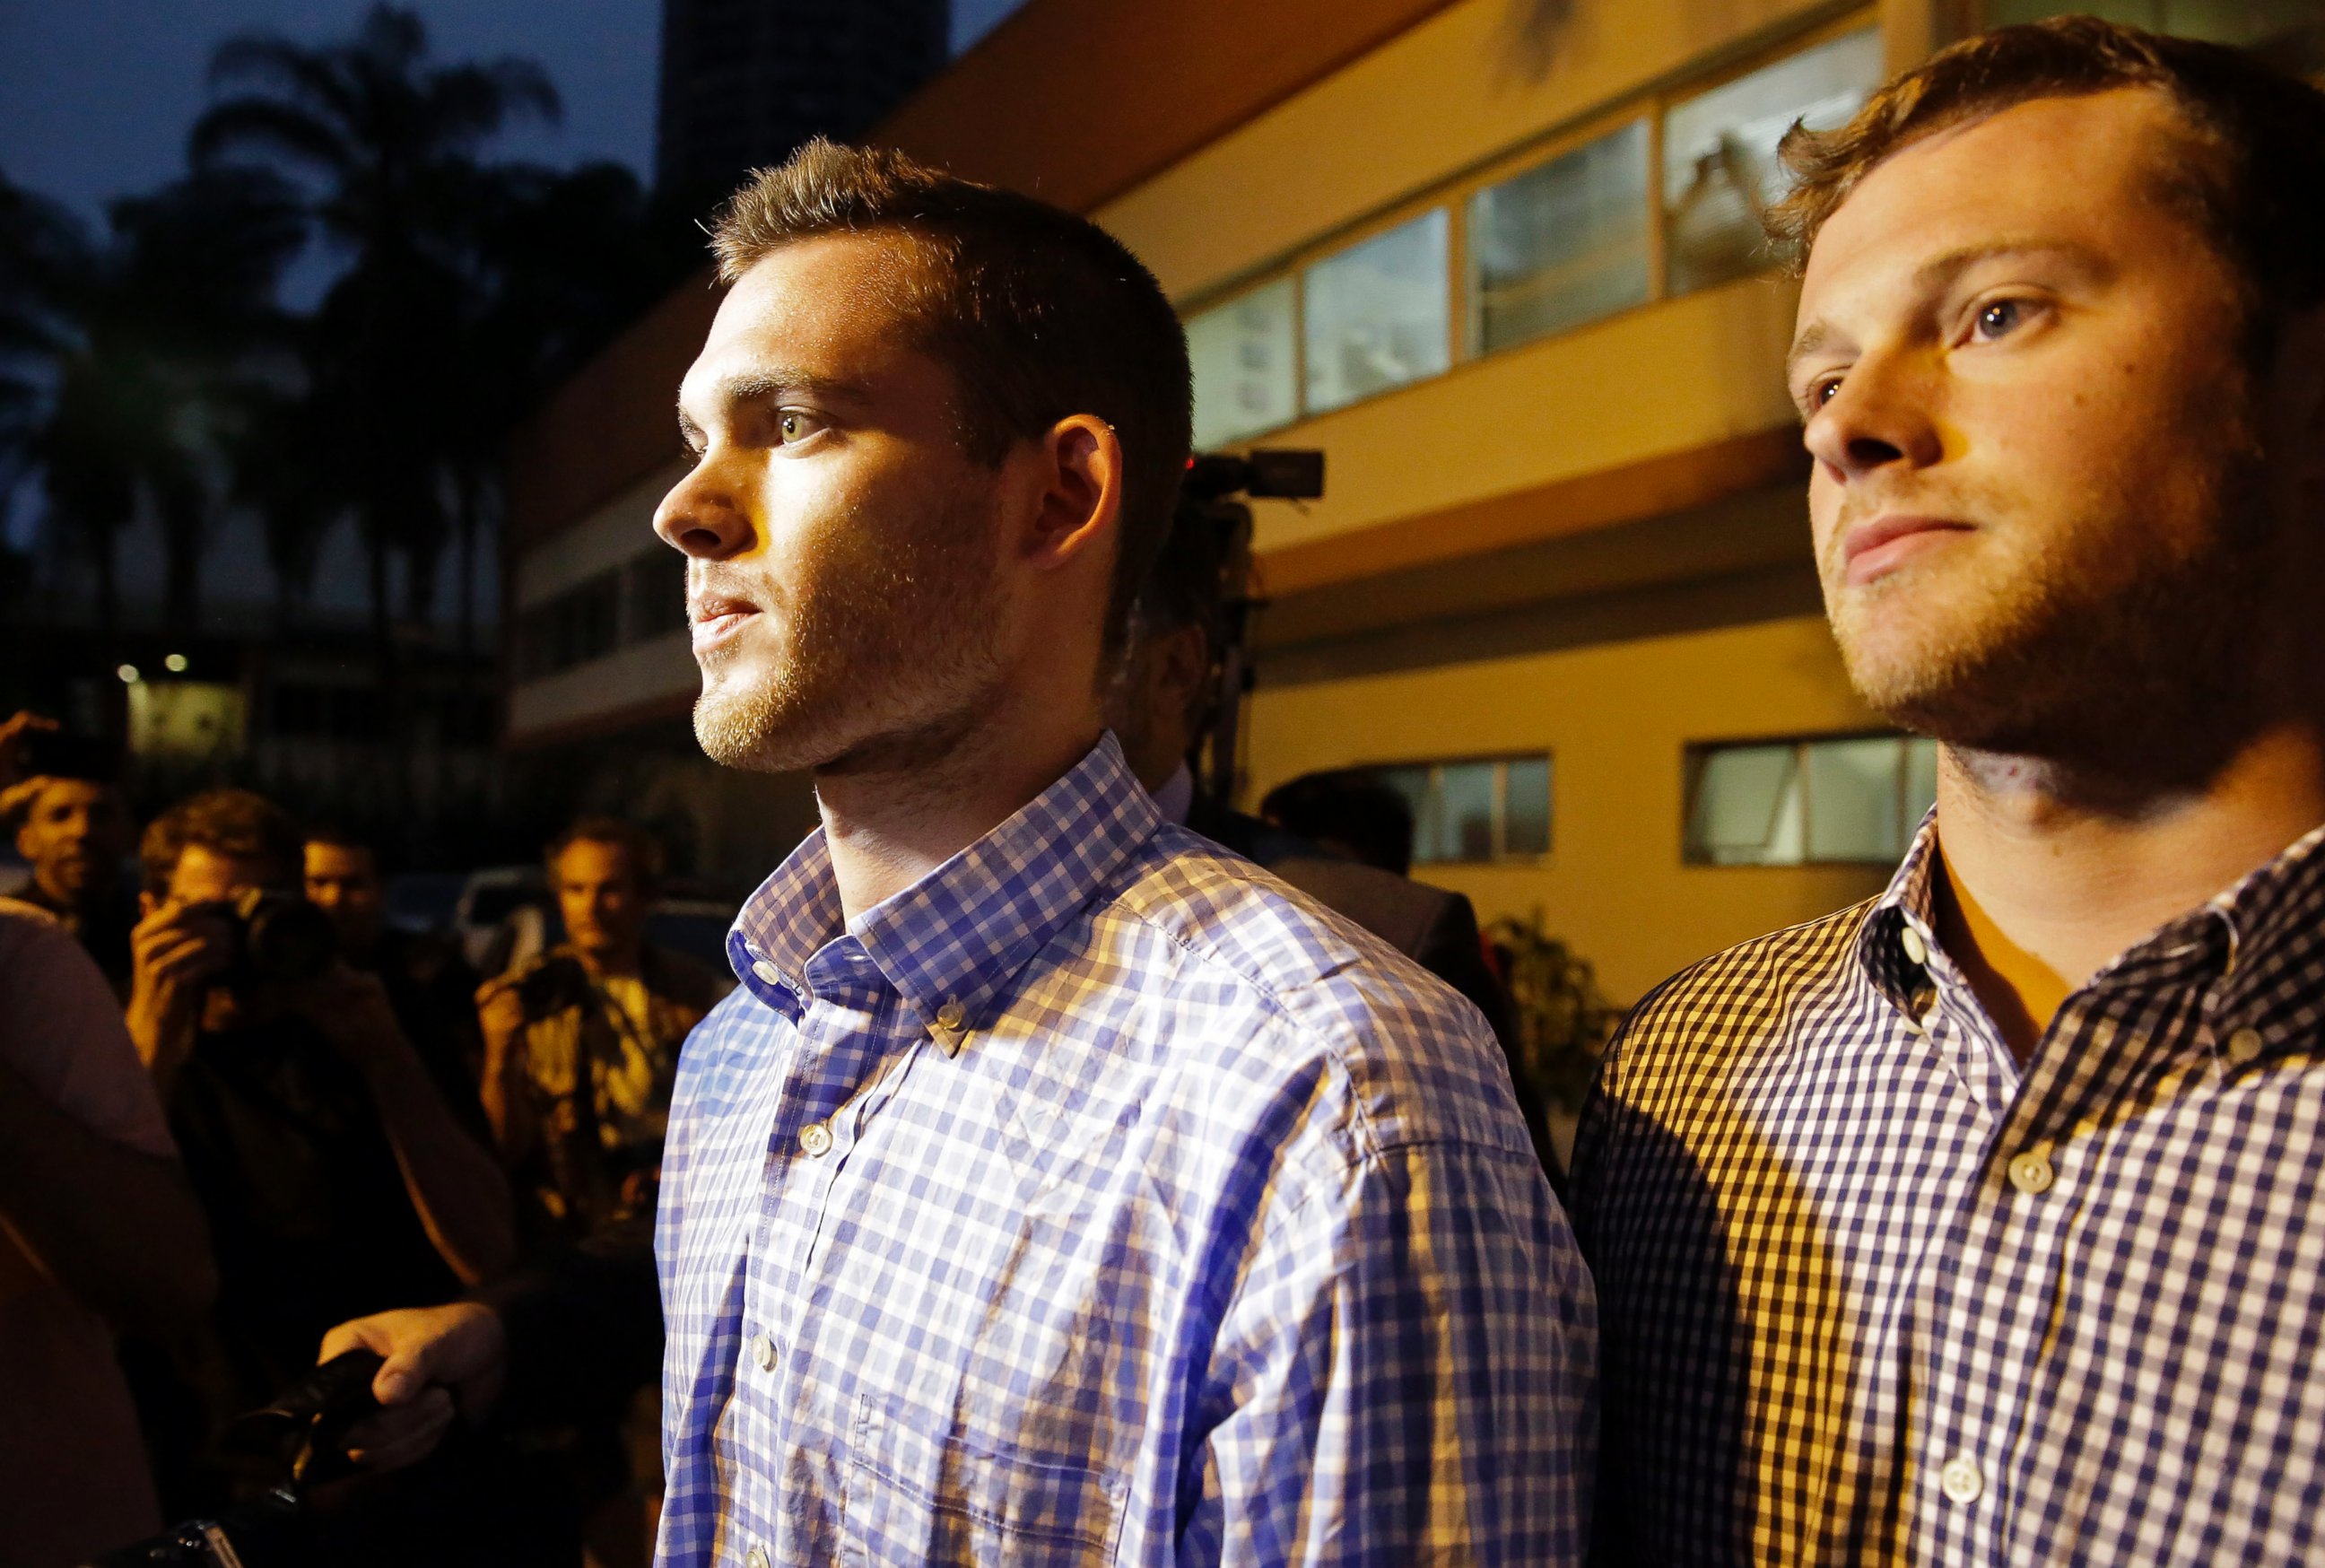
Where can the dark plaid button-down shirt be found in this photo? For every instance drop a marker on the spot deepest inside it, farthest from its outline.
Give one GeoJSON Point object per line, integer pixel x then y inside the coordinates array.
{"type": "Point", "coordinates": [1871, 1293]}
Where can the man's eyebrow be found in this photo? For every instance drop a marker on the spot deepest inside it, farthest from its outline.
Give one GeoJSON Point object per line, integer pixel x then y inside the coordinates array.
{"type": "Point", "coordinates": [1938, 273]}
{"type": "Point", "coordinates": [769, 382]}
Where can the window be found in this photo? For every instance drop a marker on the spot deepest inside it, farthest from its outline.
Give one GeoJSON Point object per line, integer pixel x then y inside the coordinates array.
{"type": "Point", "coordinates": [2248, 23]}
{"type": "Point", "coordinates": [657, 593]}
{"type": "Point", "coordinates": [577, 625]}
{"type": "Point", "coordinates": [1720, 154]}
{"type": "Point", "coordinates": [1492, 809]}
{"type": "Point", "coordinates": [1559, 245]}
{"type": "Point", "coordinates": [1374, 315]}
{"type": "Point", "coordinates": [1843, 799]}
{"type": "Point", "coordinates": [1247, 366]}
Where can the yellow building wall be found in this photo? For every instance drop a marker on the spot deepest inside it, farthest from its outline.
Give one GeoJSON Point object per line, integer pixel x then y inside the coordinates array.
{"type": "Point", "coordinates": [1616, 718]}
{"type": "Point", "coordinates": [1469, 84]}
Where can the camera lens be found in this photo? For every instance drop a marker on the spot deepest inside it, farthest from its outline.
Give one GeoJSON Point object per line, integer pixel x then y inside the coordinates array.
{"type": "Point", "coordinates": [291, 939]}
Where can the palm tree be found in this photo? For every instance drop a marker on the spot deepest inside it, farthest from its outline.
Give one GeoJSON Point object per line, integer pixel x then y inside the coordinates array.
{"type": "Point", "coordinates": [384, 143]}
{"type": "Point", "coordinates": [116, 356]}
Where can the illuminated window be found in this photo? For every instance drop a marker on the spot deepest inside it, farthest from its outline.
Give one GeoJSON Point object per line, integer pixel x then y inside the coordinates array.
{"type": "Point", "coordinates": [1490, 809]}
{"type": "Point", "coordinates": [2273, 26]}
{"type": "Point", "coordinates": [1560, 245]}
{"type": "Point", "coordinates": [1374, 316]}
{"type": "Point", "coordinates": [1720, 154]}
{"type": "Point", "coordinates": [1246, 367]}
{"type": "Point", "coordinates": [1844, 799]}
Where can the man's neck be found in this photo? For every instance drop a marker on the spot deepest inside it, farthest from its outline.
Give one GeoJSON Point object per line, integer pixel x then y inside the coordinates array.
{"type": "Point", "coordinates": [617, 962]}
{"type": "Point", "coordinates": [895, 813]}
{"type": "Point", "coordinates": [2038, 888]}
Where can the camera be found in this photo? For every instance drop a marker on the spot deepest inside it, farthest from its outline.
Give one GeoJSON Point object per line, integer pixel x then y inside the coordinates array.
{"type": "Point", "coordinates": [305, 1429]}
{"type": "Point", "coordinates": [273, 937]}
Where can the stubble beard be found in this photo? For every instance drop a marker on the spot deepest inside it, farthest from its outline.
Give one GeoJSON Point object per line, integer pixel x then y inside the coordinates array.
{"type": "Point", "coordinates": [890, 639]}
{"type": "Point", "coordinates": [2142, 672]}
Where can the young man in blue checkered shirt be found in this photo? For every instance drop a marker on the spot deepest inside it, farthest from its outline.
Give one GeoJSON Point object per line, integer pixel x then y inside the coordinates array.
{"type": "Point", "coordinates": [1983, 1222]}
{"type": "Point", "coordinates": [1058, 1188]}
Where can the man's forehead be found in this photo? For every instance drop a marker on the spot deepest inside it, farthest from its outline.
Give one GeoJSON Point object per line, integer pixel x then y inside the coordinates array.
{"type": "Point", "coordinates": [828, 304]}
{"type": "Point", "coordinates": [2001, 178]}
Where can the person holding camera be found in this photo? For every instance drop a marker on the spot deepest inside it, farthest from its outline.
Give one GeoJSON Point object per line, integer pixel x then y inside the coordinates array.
{"type": "Point", "coordinates": [335, 1180]}
{"type": "Point", "coordinates": [582, 1043]}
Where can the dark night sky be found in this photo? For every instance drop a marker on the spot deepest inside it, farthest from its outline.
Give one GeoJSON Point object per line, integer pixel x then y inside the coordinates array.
{"type": "Point", "coordinates": [96, 95]}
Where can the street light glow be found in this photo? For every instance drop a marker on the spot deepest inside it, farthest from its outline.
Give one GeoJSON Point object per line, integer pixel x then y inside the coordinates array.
{"type": "Point", "coordinates": [128, 673]}
{"type": "Point", "coordinates": [175, 663]}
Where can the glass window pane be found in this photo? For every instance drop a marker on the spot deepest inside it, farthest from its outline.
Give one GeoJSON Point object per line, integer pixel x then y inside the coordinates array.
{"type": "Point", "coordinates": [1560, 245]}
{"type": "Point", "coordinates": [2276, 27]}
{"type": "Point", "coordinates": [1748, 807]}
{"type": "Point", "coordinates": [1245, 365]}
{"type": "Point", "coordinates": [1921, 781]}
{"type": "Point", "coordinates": [1375, 314]}
{"type": "Point", "coordinates": [1525, 806]}
{"type": "Point", "coordinates": [1853, 803]}
{"type": "Point", "coordinates": [1720, 154]}
{"type": "Point", "coordinates": [1418, 786]}
{"type": "Point", "coordinates": [1468, 790]}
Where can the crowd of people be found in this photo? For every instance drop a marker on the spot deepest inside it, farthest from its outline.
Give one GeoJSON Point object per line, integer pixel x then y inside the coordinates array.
{"type": "Point", "coordinates": [1067, 1169]}
{"type": "Point", "coordinates": [328, 1115]}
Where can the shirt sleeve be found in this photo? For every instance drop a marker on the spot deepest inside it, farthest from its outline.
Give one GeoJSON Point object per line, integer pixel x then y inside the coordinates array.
{"type": "Point", "coordinates": [1405, 1374]}
{"type": "Point", "coordinates": [60, 1026]}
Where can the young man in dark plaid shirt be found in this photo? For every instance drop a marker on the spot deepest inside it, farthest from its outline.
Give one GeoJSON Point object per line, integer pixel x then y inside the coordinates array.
{"type": "Point", "coordinates": [1982, 1223]}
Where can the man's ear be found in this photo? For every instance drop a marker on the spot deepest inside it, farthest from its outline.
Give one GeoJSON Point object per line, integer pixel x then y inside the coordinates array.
{"type": "Point", "coordinates": [1081, 496]}
{"type": "Point", "coordinates": [1183, 675]}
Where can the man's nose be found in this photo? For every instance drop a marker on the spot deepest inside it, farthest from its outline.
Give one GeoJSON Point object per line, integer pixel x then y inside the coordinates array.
{"type": "Point", "coordinates": [1883, 414]}
{"type": "Point", "coordinates": [704, 517]}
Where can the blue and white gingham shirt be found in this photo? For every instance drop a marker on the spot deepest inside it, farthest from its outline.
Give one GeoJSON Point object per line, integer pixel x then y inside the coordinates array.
{"type": "Point", "coordinates": [1099, 1200]}
{"type": "Point", "coordinates": [1874, 1295]}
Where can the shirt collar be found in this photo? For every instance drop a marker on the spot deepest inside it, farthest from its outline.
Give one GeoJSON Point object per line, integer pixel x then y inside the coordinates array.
{"type": "Point", "coordinates": [954, 939]}
{"type": "Point", "coordinates": [2264, 927]}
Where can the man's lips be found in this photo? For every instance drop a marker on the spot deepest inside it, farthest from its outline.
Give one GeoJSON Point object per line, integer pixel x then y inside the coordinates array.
{"type": "Point", "coordinates": [1875, 549]}
{"type": "Point", "coordinates": [716, 620]}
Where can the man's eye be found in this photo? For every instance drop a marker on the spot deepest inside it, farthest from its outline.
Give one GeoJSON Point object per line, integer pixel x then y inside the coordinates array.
{"type": "Point", "coordinates": [792, 425]}
{"type": "Point", "coordinates": [2000, 319]}
{"type": "Point", "coordinates": [1824, 391]}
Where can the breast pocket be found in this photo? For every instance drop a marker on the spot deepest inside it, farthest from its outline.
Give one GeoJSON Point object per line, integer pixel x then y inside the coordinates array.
{"type": "Point", "coordinates": [921, 1493]}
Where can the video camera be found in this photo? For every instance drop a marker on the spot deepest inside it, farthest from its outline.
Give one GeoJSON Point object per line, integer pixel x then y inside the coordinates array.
{"type": "Point", "coordinates": [305, 1429]}
{"type": "Point", "coordinates": [1208, 492]}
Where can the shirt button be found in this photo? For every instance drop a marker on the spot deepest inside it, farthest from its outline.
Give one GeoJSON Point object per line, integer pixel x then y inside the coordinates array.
{"type": "Point", "coordinates": [2030, 1173]}
{"type": "Point", "coordinates": [2244, 1046]}
{"type": "Point", "coordinates": [762, 1350]}
{"type": "Point", "coordinates": [816, 1139]}
{"type": "Point", "coordinates": [757, 1559]}
{"type": "Point", "coordinates": [1916, 948]}
{"type": "Point", "coordinates": [1961, 1481]}
{"type": "Point", "coordinates": [951, 1016]}
{"type": "Point", "coordinates": [767, 972]}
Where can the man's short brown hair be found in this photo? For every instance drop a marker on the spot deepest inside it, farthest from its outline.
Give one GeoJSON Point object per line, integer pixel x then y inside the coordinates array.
{"type": "Point", "coordinates": [236, 823]}
{"type": "Point", "coordinates": [2256, 196]}
{"type": "Point", "coordinates": [638, 843]}
{"type": "Point", "coordinates": [1039, 314]}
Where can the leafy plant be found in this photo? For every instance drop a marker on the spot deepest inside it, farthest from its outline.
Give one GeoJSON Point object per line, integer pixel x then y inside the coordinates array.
{"type": "Point", "coordinates": [1563, 1019]}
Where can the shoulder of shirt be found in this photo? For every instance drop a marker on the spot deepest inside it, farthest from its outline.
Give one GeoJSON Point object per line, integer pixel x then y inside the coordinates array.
{"type": "Point", "coordinates": [1420, 1064]}
{"type": "Point", "coordinates": [1735, 1001]}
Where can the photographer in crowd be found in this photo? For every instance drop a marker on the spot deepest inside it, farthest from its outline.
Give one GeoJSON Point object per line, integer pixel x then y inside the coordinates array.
{"type": "Point", "coordinates": [336, 1179]}
{"type": "Point", "coordinates": [581, 1043]}
{"type": "Point", "coordinates": [429, 983]}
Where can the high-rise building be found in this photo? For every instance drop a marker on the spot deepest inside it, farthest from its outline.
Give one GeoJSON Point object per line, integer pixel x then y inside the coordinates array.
{"type": "Point", "coordinates": [745, 81]}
